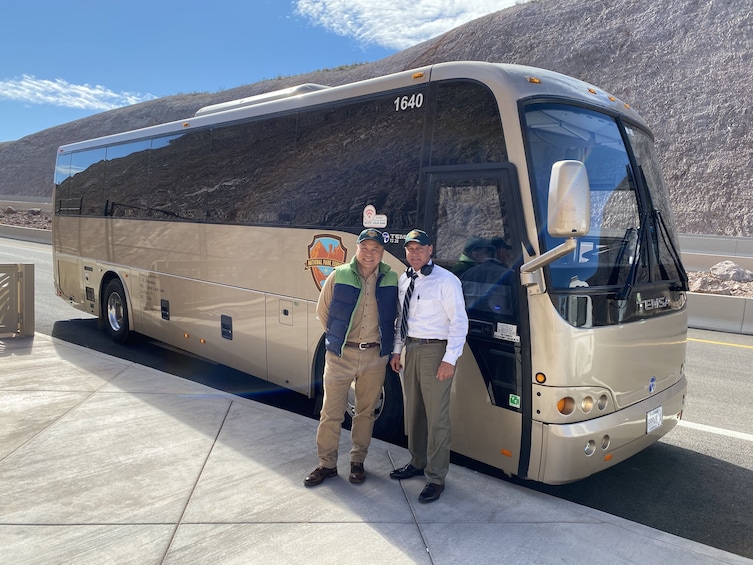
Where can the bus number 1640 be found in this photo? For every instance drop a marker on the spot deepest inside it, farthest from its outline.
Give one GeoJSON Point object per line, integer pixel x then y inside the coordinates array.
{"type": "Point", "coordinates": [405, 102]}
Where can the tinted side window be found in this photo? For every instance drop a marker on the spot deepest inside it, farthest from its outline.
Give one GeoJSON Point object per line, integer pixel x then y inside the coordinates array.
{"type": "Point", "coordinates": [467, 126]}
{"type": "Point", "coordinates": [178, 176]}
{"type": "Point", "coordinates": [249, 165]}
{"type": "Point", "coordinates": [126, 175]}
{"type": "Point", "coordinates": [366, 152]}
{"type": "Point", "coordinates": [80, 183]}
{"type": "Point", "coordinates": [63, 186]}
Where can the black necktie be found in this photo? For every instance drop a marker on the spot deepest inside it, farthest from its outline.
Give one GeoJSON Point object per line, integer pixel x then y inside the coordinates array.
{"type": "Point", "coordinates": [406, 304]}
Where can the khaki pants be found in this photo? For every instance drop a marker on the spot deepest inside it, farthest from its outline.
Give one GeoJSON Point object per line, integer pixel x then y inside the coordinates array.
{"type": "Point", "coordinates": [427, 410]}
{"type": "Point", "coordinates": [367, 368]}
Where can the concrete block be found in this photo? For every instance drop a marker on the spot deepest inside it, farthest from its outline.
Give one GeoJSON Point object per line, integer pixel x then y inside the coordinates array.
{"type": "Point", "coordinates": [721, 313]}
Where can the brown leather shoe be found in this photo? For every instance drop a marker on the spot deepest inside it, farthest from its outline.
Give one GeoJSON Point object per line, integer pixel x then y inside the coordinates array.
{"type": "Point", "coordinates": [406, 472]}
{"type": "Point", "coordinates": [318, 475]}
{"type": "Point", "coordinates": [357, 473]}
{"type": "Point", "coordinates": [430, 493]}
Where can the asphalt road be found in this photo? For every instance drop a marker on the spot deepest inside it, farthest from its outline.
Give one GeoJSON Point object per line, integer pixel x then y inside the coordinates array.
{"type": "Point", "coordinates": [695, 483]}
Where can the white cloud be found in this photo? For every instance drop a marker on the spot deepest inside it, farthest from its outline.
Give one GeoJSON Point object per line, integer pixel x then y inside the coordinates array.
{"type": "Point", "coordinates": [60, 93]}
{"type": "Point", "coordinates": [396, 24]}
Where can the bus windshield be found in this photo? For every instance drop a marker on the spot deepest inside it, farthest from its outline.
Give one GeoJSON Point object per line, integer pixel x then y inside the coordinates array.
{"type": "Point", "coordinates": [631, 241]}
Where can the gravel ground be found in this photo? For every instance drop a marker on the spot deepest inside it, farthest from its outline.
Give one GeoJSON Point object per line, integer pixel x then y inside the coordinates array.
{"type": "Point", "coordinates": [32, 218]}
{"type": "Point", "coordinates": [704, 281]}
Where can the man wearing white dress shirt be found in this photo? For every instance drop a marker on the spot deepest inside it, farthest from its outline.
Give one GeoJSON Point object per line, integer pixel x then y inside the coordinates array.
{"type": "Point", "coordinates": [431, 326]}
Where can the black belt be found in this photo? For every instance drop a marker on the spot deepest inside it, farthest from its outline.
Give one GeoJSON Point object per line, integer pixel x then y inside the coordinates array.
{"type": "Point", "coordinates": [362, 345]}
{"type": "Point", "coordinates": [424, 340]}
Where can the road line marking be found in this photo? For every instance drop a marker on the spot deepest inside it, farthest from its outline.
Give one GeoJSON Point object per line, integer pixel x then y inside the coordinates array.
{"type": "Point", "coordinates": [713, 430]}
{"type": "Point", "coordinates": [720, 343]}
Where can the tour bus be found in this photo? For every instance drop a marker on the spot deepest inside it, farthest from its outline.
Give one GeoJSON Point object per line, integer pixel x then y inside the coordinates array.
{"type": "Point", "coordinates": [213, 234]}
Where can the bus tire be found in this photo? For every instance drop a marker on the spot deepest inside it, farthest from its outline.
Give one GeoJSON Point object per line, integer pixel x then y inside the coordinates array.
{"type": "Point", "coordinates": [115, 311]}
{"type": "Point", "coordinates": [388, 422]}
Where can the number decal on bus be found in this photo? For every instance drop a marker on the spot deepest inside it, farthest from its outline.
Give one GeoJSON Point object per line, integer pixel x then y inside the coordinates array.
{"type": "Point", "coordinates": [412, 101]}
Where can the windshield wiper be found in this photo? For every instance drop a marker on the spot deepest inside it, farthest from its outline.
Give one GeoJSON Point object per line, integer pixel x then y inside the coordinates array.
{"type": "Point", "coordinates": [637, 254]}
{"type": "Point", "coordinates": [661, 226]}
{"type": "Point", "coordinates": [673, 252]}
{"type": "Point", "coordinates": [627, 250]}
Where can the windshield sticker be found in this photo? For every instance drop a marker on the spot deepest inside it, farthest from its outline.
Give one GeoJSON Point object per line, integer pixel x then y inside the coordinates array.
{"type": "Point", "coordinates": [507, 332]}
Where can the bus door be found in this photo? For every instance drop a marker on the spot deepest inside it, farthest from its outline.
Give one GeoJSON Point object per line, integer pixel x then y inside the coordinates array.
{"type": "Point", "coordinates": [472, 218]}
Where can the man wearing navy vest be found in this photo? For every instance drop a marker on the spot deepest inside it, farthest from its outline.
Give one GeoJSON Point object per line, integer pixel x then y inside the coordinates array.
{"type": "Point", "coordinates": [357, 307]}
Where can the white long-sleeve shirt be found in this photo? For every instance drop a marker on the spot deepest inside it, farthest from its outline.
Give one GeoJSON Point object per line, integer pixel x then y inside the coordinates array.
{"type": "Point", "coordinates": [436, 311]}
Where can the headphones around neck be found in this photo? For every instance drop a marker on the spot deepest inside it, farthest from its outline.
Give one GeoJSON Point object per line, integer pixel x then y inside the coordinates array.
{"type": "Point", "coordinates": [425, 270]}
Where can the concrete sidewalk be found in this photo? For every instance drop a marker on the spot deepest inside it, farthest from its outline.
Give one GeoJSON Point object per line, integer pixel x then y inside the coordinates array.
{"type": "Point", "coordinates": [106, 461]}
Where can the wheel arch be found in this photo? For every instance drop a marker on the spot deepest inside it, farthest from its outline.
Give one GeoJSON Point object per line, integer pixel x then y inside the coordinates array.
{"type": "Point", "coordinates": [108, 276]}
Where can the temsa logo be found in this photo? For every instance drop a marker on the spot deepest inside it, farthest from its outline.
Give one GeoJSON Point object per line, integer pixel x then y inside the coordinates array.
{"type": "Point", "coordinates": [654, 304]}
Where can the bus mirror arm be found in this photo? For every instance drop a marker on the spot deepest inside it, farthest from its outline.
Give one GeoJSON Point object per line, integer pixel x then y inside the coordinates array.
{"type": "Point", "coordinates": [568, 216]}
{"type": "Point", "coordinates": [530, 272]}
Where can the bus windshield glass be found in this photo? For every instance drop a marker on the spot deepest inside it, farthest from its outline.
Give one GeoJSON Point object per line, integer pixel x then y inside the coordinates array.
{"type": "Point", "coordinates": [620, 251]}
{"type": "Point", "coordinates": [667, 266]}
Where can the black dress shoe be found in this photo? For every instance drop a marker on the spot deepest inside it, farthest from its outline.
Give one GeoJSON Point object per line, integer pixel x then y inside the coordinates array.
{"type": "Point", "coordinates": [357, 473]}
{"type": "Point", "coordinates": [406, 472]}
{"type": "Point", "coordinates": [430, 493]}
{"type": "Point", "coordinates": [318, 475]}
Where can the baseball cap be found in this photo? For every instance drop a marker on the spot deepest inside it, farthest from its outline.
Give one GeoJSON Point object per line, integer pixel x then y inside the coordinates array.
{"type": "Point", "coordinates": [476, 243]}
{"type": "Point", "coordinates": [371, 234]}
{"type": "Point", "coordinates": [500, 243]}
{"type": "Point", "coordinates": [419, 236]}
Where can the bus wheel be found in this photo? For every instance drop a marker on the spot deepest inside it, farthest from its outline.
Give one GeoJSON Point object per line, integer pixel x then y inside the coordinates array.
{"type": "Point", "coordinates": [388, 413]}
{"type": "Point", "coordinates": [116, 311]}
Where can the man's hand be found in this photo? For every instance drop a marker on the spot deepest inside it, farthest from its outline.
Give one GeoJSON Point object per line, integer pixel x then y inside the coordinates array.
{"type": "Point", "coordinates": [445, 371]}
{"type": "Point", "coordinates": [395, 362]}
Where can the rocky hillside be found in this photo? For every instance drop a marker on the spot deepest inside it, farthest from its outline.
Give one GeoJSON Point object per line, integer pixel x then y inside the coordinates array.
{"type": "Point", "coordinates": [685, 65]}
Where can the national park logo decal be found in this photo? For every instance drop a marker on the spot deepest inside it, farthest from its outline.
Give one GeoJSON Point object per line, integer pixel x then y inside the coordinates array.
{"type": "Point", "coordinates": [325, 253]}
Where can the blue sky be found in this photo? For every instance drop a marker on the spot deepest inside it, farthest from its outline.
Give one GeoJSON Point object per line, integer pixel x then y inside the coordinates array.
{"type": "Point", "coordinates": [61, 61]}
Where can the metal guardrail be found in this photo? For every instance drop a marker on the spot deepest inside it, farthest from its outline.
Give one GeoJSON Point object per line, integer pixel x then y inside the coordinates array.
{"type": "Point", "coordinates": [17, 300]}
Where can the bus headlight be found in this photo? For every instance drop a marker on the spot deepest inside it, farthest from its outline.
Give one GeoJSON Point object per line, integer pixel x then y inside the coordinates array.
{"type": "Point", "coordinates": [566, 405]}
{"type": "Point", "coordinates": [586, 404]}
{"type": "Point", "coordinates": [563, 405]}
{"type": "Point", "coordinates": [590, 447]}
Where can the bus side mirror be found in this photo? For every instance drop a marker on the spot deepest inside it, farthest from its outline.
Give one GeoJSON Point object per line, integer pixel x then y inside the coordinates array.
{"type": "Point", "coordinates": [569, 208]}
{"type": "Point", "coordinates": [568, 216]}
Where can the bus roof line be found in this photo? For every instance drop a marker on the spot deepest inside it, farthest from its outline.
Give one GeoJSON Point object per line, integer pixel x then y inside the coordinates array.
{"type": "Point", "coordinates": [280, 103]}
{"type": "Point", "coordinates": [311, 94]}
{"type": "Point", "coordinates": [260, 98]}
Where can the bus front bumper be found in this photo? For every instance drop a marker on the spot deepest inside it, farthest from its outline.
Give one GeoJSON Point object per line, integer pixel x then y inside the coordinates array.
{"type": "Point", "coordinates": [574, 451]}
